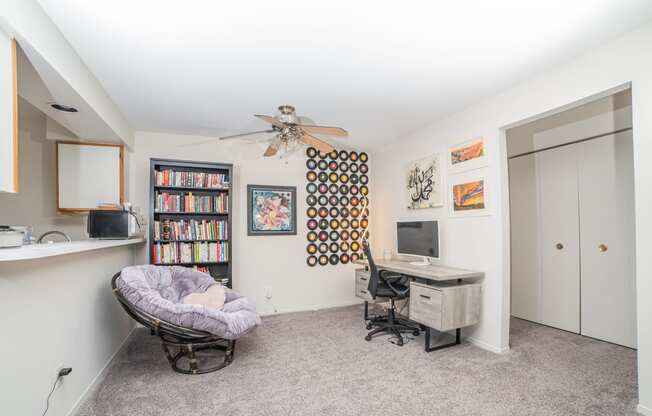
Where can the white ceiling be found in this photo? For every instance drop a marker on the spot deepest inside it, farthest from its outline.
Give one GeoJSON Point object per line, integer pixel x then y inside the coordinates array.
{"type": "Point", "coordinates": [380, 69]}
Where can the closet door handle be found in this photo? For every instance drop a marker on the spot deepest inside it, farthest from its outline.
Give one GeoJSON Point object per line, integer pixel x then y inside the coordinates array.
{"type": "Point", "coordinates": [602, 248]}
{"type": "Point", "coordinates": [559, 246]}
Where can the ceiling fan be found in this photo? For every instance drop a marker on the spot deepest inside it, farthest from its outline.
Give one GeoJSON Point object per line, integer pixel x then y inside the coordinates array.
{"type": "Point", "coordinates": [292, 131]}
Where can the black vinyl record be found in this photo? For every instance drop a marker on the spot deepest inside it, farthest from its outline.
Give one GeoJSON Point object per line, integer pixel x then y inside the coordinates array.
{"type": "Point", "coordinates": [355, 234]}
{"type": "Point", "coordinates": [364, 223]}
{"type": "Point", "coordinates": [311, 200]}
{"type": "Point", "coordinates": [354, 189]}
{"type": "Point", "coordinates": [323, 260]}
{"type": "Point", "coordinates": [334, 235]}
{"type": "Point", "coordinates": [354, 168]}
{"type": "Point", "coordinates": [344, 155]}
{"type": "Point", "coordinates": [344, 178]}
{"type": "Point", "coordinates": [344, 246]}
{"type": "Point", "coordinates": [311, 164]}
{"type": "Point", "coordinates": [323, 212]}
{"type": "Point", "coordinates": [364, 190]}
{"type": "Point", "coordinates": [323, 248]}
{"type": "Point", "coordinates": [353, 156]}
{"type": "Point", "coordinates": [364, 168]}
{"type": "Point", "coordinates": [312, 261]}
{"type": "Point", "coordinates": [311, 188]}
{"type": "Point", "coordinates": [333, 199]}
{"type": "Point", "coordinates": [323, 224]}
{"type": "Point", "coordinates": [311, 248]}
{"type": "Point", "coordinates": [355, 256]}
{"type": "Point", "coordinates": [311, 212]}
{"type": "Point", "coordinates": [355, 223]}
{"type": "Point", "coordinates": [311, 152]}
{"type": "Point", "coordinates": [311, 176]}
{"type": "Point", "coordinates": [344, 212]}
{"type": "Point", "coordinates": [344, 167]}
{"type": "Point", "coordinates": [322, 177]}
{"type": "Point", "coordinates": [333, 247]}
{"type": "Point", "coordinates": [332, 188]}
{"type": "Point", "coordinates": [334, 259]}
{"type": "Point", "coordinates": [322, 164]}
{"type": "Point", "coordinates": [354, 178]}
{"type": "Point", "coordinates": [364, 179]}
{"type": "Point", "coordinates": [344, 189]}
{"type": "Point", "coordinates": [363, 157]}
{"type": "Point", "coordinates": [333, 154]}
{"type": "Point", "coordinates": [323, 188]}
{"type": "Point", "coordinates": [312, 224]}
{"type": "Point", "coordinates": [323, 236]}
{"type": "Point", "coordinates": [355, 212]}
{"type": "Point", "coordinates": [334, 212]}
{"type": "Point", "coordinates": [344, 223]}
{"type": "Point", "coordinates": [312, 236]}
{"type": "Point", "coordinates": [333, 177]}
{"type": "Point", "coordinates": [355, 246]}
{"type": "Point", "coordinates": [344, 258]}
{"type": "Point", "coordinates": [323, 200]}
{"type": "Point", "coordinates": [344, 200]}
{"type": "Point", "coordinates": [335, 224]}
{"type": "Point", "coordinates": [344, 235]}
{"type": "Point", "coordinates": [332, 165]}
{"type": "Point", "coordinates": [322, 155]}
{"type": "Point", "coordinates": [355, 201]}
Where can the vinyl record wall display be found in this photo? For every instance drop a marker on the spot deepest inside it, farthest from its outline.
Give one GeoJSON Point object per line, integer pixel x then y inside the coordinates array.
{"type": "Point", "coordinates": [337, 185]}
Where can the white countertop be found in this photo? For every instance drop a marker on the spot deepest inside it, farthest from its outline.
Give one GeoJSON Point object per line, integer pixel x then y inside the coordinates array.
{"type": "Point", "coordinates": [37, 251]}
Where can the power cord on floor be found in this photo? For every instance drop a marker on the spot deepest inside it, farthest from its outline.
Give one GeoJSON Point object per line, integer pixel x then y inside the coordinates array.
{"type": "Point", "coordinates": [62, 373]}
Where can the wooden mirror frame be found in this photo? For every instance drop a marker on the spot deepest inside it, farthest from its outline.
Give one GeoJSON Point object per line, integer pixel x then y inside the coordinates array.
{"type": "Point", "coordinates": [121, 174]}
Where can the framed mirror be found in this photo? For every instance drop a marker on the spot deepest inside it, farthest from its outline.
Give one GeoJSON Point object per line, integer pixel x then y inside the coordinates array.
{"type": "Point", "coordinates": [89, 176]}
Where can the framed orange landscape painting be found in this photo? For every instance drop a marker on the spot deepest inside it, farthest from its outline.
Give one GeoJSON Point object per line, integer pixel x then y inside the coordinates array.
{"type": "Point", "coordinates": [467, 156]}
{"type": "Point", "coordinates": [468, 197]}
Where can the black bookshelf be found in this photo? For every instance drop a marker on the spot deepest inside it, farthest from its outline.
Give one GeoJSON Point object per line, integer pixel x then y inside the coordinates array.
{"type": "Point", "coordinates": [221, 269]}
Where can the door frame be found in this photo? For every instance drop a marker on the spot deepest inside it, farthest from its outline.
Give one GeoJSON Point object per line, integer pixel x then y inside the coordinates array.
{"type": "Point", "coordinates": [505, 201]}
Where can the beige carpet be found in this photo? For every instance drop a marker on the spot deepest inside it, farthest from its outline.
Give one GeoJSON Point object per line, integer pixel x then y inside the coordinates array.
{"type": "Point", "coordinates": [317, 363]}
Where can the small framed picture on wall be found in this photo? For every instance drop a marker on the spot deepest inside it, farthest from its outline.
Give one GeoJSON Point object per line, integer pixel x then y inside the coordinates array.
{"type": "Point", "coordinates": [468, 195]}
{"type": "Point", "coordinates": [271, 210]}
{"type": "Point", "coordinates": [468, 155]}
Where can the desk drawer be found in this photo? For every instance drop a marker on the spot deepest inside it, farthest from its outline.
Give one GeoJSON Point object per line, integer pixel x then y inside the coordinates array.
{"type": "Point", "coordinates": [362, 278]}
{"type": "Point", "coordinates": [426, 305]}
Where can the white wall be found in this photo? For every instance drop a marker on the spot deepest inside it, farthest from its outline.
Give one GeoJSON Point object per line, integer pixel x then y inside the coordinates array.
{"type": "Point", "coordinates": [483, 243]}
{"type": "Point", "coordinates": [58, 312]}
{"type": "Point", "coordinates": [36, 203]}
{"type": "Point", "coordinates": [259, 261]}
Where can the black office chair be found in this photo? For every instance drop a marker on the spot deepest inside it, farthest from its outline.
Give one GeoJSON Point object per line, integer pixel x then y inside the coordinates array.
{"type": "Point", "coordinates": [386, 284]}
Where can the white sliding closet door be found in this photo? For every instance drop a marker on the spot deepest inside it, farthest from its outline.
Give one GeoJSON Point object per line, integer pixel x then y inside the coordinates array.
{"type": "Point", "coordinates": [559, 238]}
{"type": "Point", "coordinates": [606, 186]}
{"type": "Point", "coordinates": [525, 265]}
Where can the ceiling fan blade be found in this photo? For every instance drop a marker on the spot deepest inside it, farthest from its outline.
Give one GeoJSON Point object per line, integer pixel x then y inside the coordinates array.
{"type": "Point", "coordinates": [271, 120]}
{"type": "Point", "coordinates": [272, 149]}
{"type": "Point", "coordinates": [320, 145]}
{"type": "Point", "coordinates": [235, 136]}
{"type": "Point", "coordinates": [330, 131]}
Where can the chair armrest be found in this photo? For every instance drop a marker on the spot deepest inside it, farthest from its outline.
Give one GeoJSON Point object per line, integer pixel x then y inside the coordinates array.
{"type": "Point", "coordinates": [392, 278]}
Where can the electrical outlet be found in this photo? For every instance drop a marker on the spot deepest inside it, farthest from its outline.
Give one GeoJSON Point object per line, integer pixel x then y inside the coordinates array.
{"type": "Point", "coordinates": [268, 292]}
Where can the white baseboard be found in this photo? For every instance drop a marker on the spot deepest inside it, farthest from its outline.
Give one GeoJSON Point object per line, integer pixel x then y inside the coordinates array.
{"type": "Point", "coordinates": [312, 308]}
{"type": "Point", "coordinates": [644, 410]}
{"type": "Point", "coordinates": [486, 346]}
{"type": "Point", "coordinates": [99, 377]}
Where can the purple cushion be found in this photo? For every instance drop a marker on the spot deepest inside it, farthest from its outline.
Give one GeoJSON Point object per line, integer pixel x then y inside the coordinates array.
{"type": "Point", "coordinates": [159, 290]}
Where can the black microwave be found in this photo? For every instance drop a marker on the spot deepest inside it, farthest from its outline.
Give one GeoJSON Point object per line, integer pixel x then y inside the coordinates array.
{"type": "Point", "coordinates": [113, 224]}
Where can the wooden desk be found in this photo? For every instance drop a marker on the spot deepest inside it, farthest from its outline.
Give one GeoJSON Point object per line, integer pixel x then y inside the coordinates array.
{"type": "Point", "coordinates": [440, 298]}
{"type": "Point", "coordinates": [431, 272]}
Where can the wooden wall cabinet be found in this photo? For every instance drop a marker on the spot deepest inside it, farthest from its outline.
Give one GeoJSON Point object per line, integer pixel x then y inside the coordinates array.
{"type": "Point", "coordinates": [8, 115]}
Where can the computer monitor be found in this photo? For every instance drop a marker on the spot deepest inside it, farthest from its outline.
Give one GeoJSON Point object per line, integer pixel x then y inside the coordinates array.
{"type": "Point", "coordinates": [418, 238]}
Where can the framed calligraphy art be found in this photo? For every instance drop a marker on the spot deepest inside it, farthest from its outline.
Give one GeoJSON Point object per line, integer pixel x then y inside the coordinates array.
{"type": "Point", "coordinates": [424, 183]}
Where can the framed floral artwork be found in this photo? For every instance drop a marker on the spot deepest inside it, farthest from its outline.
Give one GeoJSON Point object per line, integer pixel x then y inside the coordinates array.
{"type": "Point", "coordinates": [271, 210]}
{"type": "Point", "coordinates": [469, 155]}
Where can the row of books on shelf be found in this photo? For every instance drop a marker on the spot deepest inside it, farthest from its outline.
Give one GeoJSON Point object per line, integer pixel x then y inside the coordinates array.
{"type": "Point", "coordinates": [183, 253]}
{"type": "Point", "coordinates": [169, 177]}
{"type": "Point", "coordinates": [190, 230]}
{"type": "Point", "coordinates": [219, 279]}
{"type": "Point", "coordinates": [187, 202]}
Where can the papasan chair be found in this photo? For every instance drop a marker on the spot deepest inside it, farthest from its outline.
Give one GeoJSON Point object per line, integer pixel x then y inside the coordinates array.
{"type": "Point", "coordinates": [153, 296]}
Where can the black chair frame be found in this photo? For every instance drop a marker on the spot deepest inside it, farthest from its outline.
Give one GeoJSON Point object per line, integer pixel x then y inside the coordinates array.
{"type": "Point", "coordinates": [188, 341]}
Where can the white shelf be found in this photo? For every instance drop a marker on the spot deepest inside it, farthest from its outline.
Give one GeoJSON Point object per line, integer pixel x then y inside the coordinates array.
{"type": "Point", "coordinates": [37, 251]}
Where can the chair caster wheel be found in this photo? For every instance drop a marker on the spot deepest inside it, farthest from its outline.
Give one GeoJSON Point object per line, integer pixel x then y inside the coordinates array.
{"type": "Point", "coordinates": [399, 342]}
{"type": "Point", "coordinates": [367, 338]}
{"type": "Point", "coordinates": [416, 332]}
{"type": "Point", "coordinates": [369, 326]}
